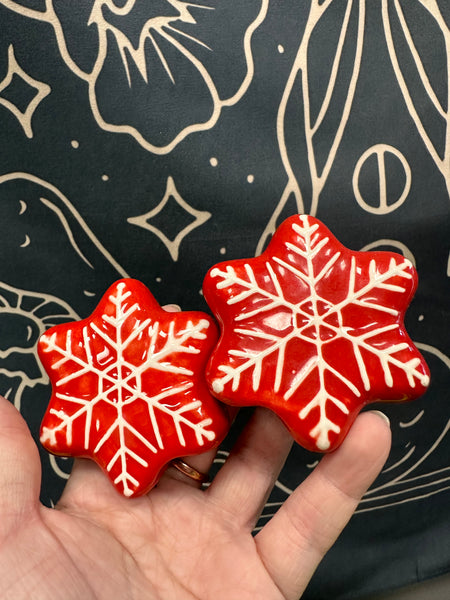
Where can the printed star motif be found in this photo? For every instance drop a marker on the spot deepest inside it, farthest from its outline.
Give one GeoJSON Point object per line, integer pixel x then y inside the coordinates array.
{"type": "Point", "coordinates": [128, 388]}
{"type": "Point", "coordinates": [313, 331]}
{"type": "Point", "coordinates": [172, 243]}
{"type": "Point", "coordinates": [42, 90]}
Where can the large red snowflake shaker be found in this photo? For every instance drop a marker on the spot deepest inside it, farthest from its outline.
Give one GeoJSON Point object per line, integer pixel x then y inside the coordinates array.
{"type": "Point", "coordinates": [313, 331]}
{"type": "Point", "coordinates": [128, 387]}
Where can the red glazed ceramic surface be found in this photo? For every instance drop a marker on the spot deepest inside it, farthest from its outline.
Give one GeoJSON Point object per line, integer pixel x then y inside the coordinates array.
{"type": "Point", "coordinates": [313, 331]}
{"type": "Point", "coordinates": [128, 387]}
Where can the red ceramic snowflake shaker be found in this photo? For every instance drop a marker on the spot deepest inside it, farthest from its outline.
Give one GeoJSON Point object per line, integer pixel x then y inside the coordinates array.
{"type": "Point", "coordinates": [128, 389]}
{"type": "Point", "coordinates": [313, 331]}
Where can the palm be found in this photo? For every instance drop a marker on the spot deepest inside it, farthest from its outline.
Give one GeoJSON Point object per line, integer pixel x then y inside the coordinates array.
{"type": "Point", "coordinates": [178, 541]}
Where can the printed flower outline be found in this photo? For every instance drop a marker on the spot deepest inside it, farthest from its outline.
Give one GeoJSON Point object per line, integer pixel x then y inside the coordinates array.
{"type": "Point", "coordinates": [314, 331]}
{"type": "Point", "coordinates": [128, 388]}
{"type": "Point", "coordinates": [157, 71]}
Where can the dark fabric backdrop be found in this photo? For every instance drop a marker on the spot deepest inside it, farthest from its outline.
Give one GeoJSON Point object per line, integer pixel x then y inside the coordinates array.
{"type": "Point", "coordinates": [157, 140]}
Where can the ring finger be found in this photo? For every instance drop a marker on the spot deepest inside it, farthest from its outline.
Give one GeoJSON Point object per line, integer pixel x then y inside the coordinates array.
{"type": "Point", "coordinates": [189, 470]}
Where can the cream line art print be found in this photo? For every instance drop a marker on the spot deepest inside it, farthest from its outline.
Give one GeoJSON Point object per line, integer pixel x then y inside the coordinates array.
{"type": "Point", "coordinates": [441, 157]}
{"type": "Point", "coordinates": [41, 91]}
{"type": "Point", "coordinates": [160, 36]}
{"type": "Point", "coordinates": [171, 194]}
{"type": "Point", "coordinates": [385, 204]}
{"type": "Point", "coordinates": [30, 314]}
{"type": "Point", "coordinates": [299, 82]}
{"type": "Point", "coordinates": [62, 206]}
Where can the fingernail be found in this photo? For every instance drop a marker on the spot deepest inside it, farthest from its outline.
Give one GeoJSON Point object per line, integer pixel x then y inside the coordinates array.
{"type": "Point", "coordinates": [172, 308]}
{"type": "Point", "coordinates": [382, 416]}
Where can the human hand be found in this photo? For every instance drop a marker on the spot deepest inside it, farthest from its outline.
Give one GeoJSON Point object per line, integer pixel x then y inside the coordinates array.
{"type": "Point", "coordinates": [178, 542]}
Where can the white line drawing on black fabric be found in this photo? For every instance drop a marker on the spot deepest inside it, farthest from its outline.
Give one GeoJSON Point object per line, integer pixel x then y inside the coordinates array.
{"type": "Point", "coordinates": [413, 421]}
{"type": "Point", "coordinates": [157, 32]}
{"type": "Point", "coordinates": [385, 204]}
{"type": "Point", "coordinates": [17, 176]}
{"type": "Point", "coordinates": [42, 90]}
{"type": "Point", "coordinates": [173, 245]}
{"type": "Point", "coordinates": [441, 157]}
{"type": "Point", "coordinates": [404, 458]}
{"type": "Point", "coordinates": [300, 72]}
{"type": "Point", "coordinates": [31, 314]}
{"type": "Point", "coordinates": [56, 467]}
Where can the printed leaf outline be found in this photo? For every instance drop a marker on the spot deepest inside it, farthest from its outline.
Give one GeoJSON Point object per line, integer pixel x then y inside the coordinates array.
{"type": "Point", "coordinates": [442, 162]}
{"type": "Point", "coordinates": [317, 321]}
{"type": "Point", "coordinates": [300, 69]}
{"type": "Point", "coordinates": [123, 424]}
{"type": "Point", "coordinates": [62, 207]}
{"type": "Point", "coordinates": [166, 28]}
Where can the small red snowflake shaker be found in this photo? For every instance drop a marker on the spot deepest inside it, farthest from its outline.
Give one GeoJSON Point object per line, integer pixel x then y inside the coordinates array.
{"type": "Point", "coordinates": [128, 389]}
{"type": "Point", "coordinates": [313, 331]}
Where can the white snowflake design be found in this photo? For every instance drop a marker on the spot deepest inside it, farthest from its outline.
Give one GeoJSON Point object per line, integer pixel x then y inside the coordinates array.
{"type": "Point", "coordinates": [315, 321]}
{"type": "Point", "coordinates": [120, 385]}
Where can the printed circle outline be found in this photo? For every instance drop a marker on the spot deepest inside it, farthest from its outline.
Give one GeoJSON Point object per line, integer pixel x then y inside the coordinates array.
{"type": "Point", "coordinates": [379, 150]}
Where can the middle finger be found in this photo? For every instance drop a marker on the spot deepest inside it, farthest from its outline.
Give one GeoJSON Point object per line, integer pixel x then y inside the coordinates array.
{"type": "Point", "coordinates": [243, 484]}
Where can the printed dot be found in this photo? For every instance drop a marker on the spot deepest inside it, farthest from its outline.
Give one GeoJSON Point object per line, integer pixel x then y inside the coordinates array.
{"type": "Point", "coordinates": [213, 161]}
{"type": "Point", "coordinates": [250, 178]}
{"type": "Point", "coordinates": [222, 250]}
{"type": "Point", "coordinates": [105, 178]}
{"type": "Point", "coordinates": [421, 317]}
{"type": "Point", "coordinates": [280, 48]}
{"type": "Point", "coordinates": [75, 144]}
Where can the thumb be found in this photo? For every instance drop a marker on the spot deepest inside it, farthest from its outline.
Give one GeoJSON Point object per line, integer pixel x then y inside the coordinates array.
{"type": "Point", "coordinates": [20, 468]}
